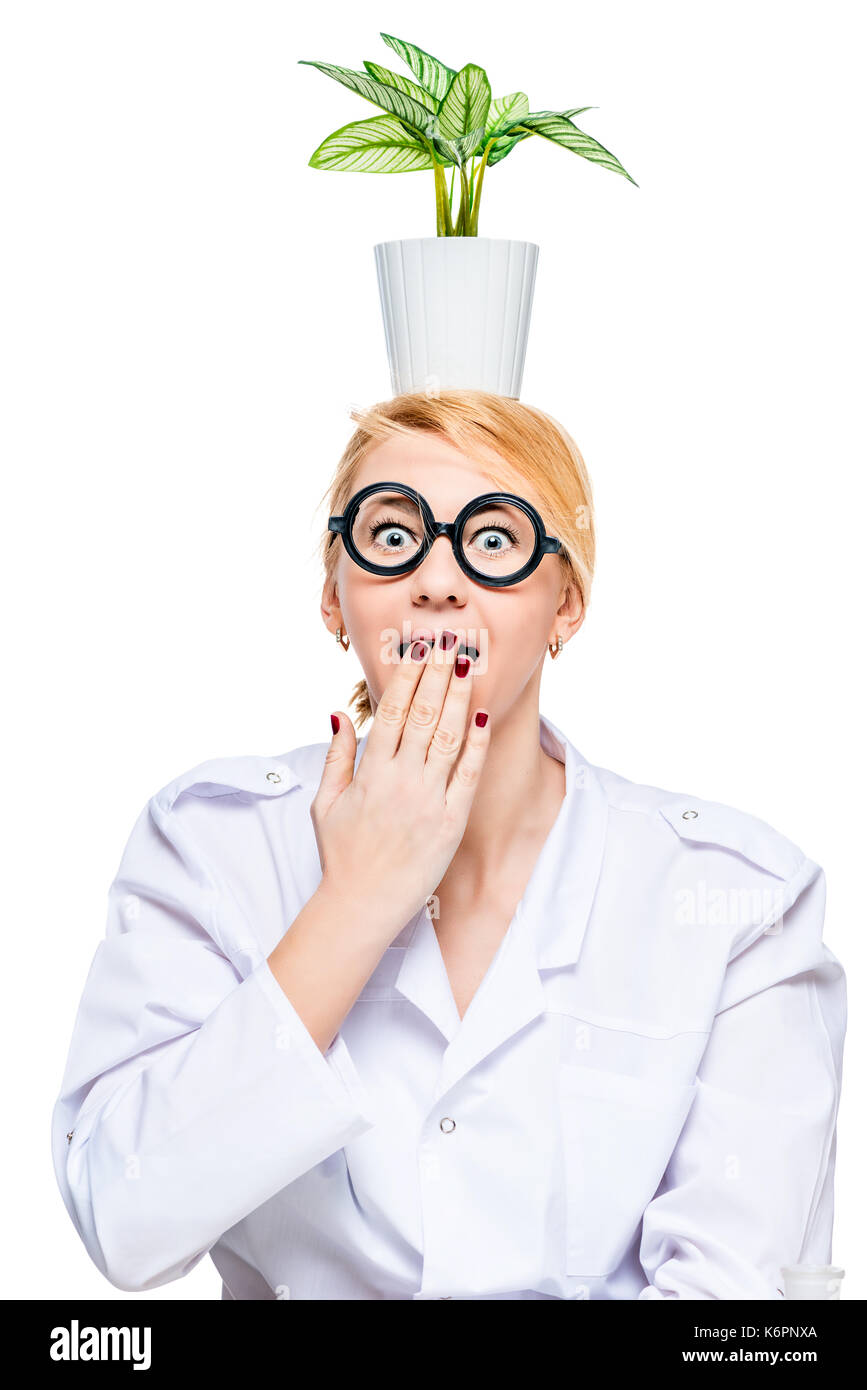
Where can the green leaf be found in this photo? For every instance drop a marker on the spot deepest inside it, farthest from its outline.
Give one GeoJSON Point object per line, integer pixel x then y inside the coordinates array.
{"type": "Point", "coordinates": [464, 108]}
{"type": "Point", "coordinates": [447, 151]}
{"type": "Point", "coordinates": [381, 145]}
{"type": "Point", "coordinates": [462, 149]}
{"type": "Point", "coordinates": [502, 148]}
{"type": "Point", "coordinates": [552, 126]}
{"type": "Point", "coordinates": [506, 109]}
{"type": "Point", "coordinates": [505, 144]}
{"type": "Point", "coordinates": [403, 84]}
{"type": "Point", "coordinates": [387, 98]}
{"type": "Point", "coordinates": [433, 75]}
{"type": "Point", "coordinates": [468, 145]}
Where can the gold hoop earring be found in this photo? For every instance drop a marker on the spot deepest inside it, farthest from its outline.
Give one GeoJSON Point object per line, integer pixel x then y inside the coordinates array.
{"type": "Point", "coordinates": [343, 638]}
{"type": "Point", "coordinates": [556, 650]}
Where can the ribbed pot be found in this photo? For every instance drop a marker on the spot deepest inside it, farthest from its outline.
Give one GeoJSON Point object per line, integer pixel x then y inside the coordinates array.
{"type": "Point", "coordinates": [456, 311]}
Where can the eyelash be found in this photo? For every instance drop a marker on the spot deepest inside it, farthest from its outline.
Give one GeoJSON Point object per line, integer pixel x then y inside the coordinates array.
{"type": "Point", "coordinates": [498, 526]}
{"type": "Point", "coordinates": [391, 521]}
{"type": "Point", "coordinates": [377, 526]}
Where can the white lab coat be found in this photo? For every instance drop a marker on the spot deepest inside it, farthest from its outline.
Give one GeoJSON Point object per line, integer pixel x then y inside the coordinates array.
{"type": "Point", "coordinates": [640, 1101]}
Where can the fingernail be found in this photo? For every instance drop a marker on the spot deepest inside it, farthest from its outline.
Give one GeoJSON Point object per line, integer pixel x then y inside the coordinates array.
{"type": "Point", "coordinates": [481, 719]}
{"type": "Point", "coordinates": [447, 640]}
{"type": "Point", "coordinates": [335, 724]}
{"type": "Point", "coordinates": [462, 665]}
{"type": "Point", "coordinates": [419, 651]}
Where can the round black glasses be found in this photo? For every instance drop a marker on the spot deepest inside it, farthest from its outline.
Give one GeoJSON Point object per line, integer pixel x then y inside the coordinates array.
{"type": "Point", "coordinates": [497, 538]}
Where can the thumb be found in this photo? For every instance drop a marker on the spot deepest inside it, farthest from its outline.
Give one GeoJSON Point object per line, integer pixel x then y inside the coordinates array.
{"type": "Point", "coordinates": [339, 765]}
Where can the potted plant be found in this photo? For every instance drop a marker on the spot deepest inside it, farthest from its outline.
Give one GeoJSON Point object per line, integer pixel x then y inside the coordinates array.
{"type": "Point", "coordinates": [456, 306]}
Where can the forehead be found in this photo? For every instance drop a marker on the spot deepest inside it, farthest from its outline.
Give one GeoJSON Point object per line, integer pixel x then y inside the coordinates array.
{"type": "Point", "coordinates": [442, 473]}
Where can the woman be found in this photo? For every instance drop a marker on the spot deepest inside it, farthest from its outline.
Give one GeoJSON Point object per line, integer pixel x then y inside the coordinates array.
{"type": "Point", "coordinates": [454, 1013]}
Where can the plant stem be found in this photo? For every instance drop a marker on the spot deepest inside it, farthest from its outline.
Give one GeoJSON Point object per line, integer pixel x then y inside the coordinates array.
{"type": "Point", "coordinates": [464, 219]}
{"type": "Point", "coordinates": [474, 224]}
{"type": "Point", "coordinates": [444, 221]}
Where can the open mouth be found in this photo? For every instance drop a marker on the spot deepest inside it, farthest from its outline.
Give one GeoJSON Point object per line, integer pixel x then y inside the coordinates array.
{"type": "Point", "coordinates": [461, 650]}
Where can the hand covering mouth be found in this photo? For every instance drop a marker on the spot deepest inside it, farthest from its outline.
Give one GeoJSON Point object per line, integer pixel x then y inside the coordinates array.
{"type": "Point", "coordinates": [461, 649]}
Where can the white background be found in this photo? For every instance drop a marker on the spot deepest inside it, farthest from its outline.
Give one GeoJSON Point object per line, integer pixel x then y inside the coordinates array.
{"type": "Point", "coordinates": [189, 311]}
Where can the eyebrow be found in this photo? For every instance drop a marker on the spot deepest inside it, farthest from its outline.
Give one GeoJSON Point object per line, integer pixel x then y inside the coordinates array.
{"type": "Point", "coordinates": [400, 501]}
{"type": "Point", "coordinates": [394, 499]}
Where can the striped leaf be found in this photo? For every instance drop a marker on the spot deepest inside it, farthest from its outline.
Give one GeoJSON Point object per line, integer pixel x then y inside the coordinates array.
{"type": "Point", "coordinates": [470, 144]}
{"type": "Point", "coordinates": [464, 108]}
{"type": "Point", "coordinates": [505, 144]}
{"type": "Point", "coordinates": [446, 151]}
{"type": "Point", "coordinates": [506, 109]}
{"type": "Point", "coordinates": [381, 145]}
{"type": "Point", "coordinates": [552, 126]}
{"type": "Point", "coordinates": [383, 96]}
{"type": "Point", "coordinates": [403, 84]}
{"type": "Point", "coordinates": [459, 151]}
{"type": "Point", "coordinates": [433, 75]}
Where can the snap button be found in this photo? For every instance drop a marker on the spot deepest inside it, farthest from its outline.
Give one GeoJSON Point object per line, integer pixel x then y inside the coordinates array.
{"type": "Point", "coordinates": [689, 815]}
{"type": "Point", "coordinates": [273, 777]}
{"type": "Point", "coordinates": [447, 1124]}
{"type": "Point", "coordinates": [69, 1136]}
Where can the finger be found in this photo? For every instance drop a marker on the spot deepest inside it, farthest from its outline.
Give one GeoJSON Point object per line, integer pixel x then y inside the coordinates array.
{"type": "Point", "coordinates": [339, 763]}
{"type": "Point", "coordinates": [451, 728]}
{"type": "Point", "coordinates": [386, 729]}
{"type": "Point", "coordinates": [468, 768]}
{"type": "Point", "coordinates": [427, 702]}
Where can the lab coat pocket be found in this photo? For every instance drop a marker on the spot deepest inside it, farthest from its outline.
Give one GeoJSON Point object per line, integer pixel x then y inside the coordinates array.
{"type": "Point", "coordinates": [619, 1132]}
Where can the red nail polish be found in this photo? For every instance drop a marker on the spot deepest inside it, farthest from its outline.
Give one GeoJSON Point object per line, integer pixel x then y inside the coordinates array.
{"type": "Point", "coordinates": [481, 719]}
{"type": "Point", "coordinates": [335, 724]}
{"type": "Point", "coordinates": [447, 640]}
{"type": "Point", "coordinates": [462, 665]}
{"type": "Point", "coordinates": [419, 651]}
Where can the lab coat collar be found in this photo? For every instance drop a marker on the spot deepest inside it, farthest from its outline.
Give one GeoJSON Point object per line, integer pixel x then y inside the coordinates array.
{"type": "Point", "coordinates": [559, 896]}
{"type": "Point", "coordinates": [546, 931]}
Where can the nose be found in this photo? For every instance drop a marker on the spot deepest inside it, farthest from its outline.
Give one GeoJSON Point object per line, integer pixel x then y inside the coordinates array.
{"type": "Point", "coordinates": [439, 578]}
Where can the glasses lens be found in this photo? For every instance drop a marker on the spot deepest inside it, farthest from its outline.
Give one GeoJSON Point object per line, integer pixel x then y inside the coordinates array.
{"type": "Point", "coordinates": [388, 528]}
{"type": "Point", "coordinates": [498, 540]}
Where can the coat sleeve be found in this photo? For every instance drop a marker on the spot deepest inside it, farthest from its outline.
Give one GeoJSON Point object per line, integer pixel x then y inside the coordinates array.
{"type": "Point", "coordinates": [192, 1092]}
{"type": "Point", "coordinates": [750, 1184]}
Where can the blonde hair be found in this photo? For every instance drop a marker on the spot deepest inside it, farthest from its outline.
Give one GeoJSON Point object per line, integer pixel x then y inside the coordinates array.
{"type": "Point", "coordinates": [531, 447]}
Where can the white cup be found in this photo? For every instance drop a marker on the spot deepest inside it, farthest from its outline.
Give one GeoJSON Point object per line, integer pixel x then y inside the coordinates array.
{"type": "Point", "coordinates": [812, 1281]}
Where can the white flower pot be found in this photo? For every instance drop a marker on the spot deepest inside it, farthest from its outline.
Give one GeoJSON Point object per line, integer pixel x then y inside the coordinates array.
{"type": "Point", "coordinates": [456, 311]}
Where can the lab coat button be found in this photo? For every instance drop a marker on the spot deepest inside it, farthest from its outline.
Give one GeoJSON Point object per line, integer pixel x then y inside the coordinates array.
{"type": "Point", "coordinates": [274, 777]}
{"type": "Point", "coordinates": [690, 815]}
{"type": "Point", "coordinates": [69, 1136]}
{"type": "Point", "coordinates": [446, 1125]}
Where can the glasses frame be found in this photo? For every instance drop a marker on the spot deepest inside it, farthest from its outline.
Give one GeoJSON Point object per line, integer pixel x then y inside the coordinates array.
{"type": "Point", "coordinates": [545, 545]}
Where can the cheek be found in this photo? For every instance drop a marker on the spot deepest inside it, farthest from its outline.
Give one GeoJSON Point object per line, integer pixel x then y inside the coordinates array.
{"type": "Point", "coordinates": [368, 612]}
{"type": "Point", "coordinates": [379, 663]}
{"type": "Point", "coordinates": [513, 644]}
{"type": "Point", "coordinates": [521, 630]}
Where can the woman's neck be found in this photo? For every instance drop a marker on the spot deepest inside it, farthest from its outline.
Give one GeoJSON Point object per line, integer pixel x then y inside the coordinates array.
{"type": "Point", "coordinates": [519, 795]}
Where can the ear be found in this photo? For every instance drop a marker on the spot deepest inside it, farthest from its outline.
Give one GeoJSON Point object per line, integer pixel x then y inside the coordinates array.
{"type": "Point", "coordinates": [330, 605]}
{"type": "Point", "coordinates": [570, 614]}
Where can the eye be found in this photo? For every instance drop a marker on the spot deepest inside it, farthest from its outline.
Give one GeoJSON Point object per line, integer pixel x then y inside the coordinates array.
{"type": "Point", "coordinates": [493, 538]}
{"type": "Point", "coordinates": [391, 535]}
